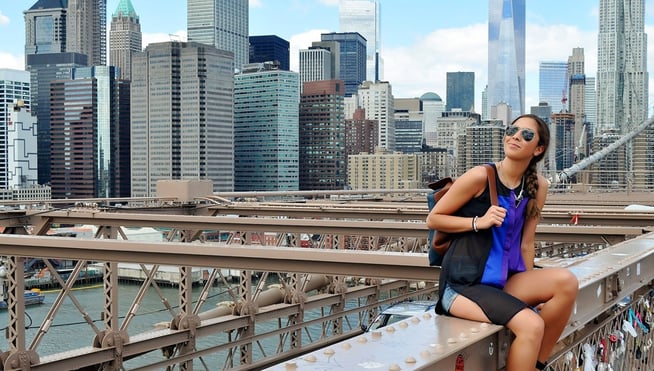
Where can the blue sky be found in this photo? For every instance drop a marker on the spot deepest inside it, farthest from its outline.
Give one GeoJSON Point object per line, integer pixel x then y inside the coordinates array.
{"type": "Point", "coordinates": [421, 39]}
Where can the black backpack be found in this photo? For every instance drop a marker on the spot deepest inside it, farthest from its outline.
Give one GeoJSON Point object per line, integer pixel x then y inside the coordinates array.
{"type": "Point", "coordinates": [439, 242]}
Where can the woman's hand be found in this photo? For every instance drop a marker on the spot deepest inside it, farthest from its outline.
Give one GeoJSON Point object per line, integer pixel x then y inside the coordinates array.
{"type": "Point", "coordinates": [494, 217]}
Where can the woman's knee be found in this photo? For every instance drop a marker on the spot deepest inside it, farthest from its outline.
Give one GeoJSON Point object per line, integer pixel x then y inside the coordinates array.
{"type": "Point", "coordinates": [567, 283]}
{"type": "Point", "coordinates": [527, 324]}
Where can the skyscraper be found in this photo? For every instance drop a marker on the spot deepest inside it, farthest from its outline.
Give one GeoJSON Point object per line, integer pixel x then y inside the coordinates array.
{"type": "Point", "coordinates": [364, 17]}
{"type": "Point", "coordinates": [270, 48]}
{"type": "Point", "coordinates": [506, 54]}
{"type": "Point", "coordinates": [124, 38]}
{"type": "Point", "coordinates": [45, 68]}
{"type": "Point", "coordinates": [182, 116]}
{"type": "Point", "coordinates": [432, 108]}
{"type": "Point", "coordinates": [577, 99]}
{"type": "Point", "coordinates": [352, 58]}
{"type": "Point", "coordinates": [376, 98]}
{"type": "Point", "coordinates": [85, 129]}
{"type": "Point", "coordinates": [315, 65]}
{"type": "Point", "coordinates": [553, 84]}
{"type": "Point", "coordinates": [622, 84]}
{"type": "Point", "coordinates": [266, 139]}
{"type": "Point", "coordinates": [22, 162]}
{"type": "Point", "coordinates": [622, 78]}
{"type": "Point", "coordinates": [322, 136]}
{"type": "Point", "coordinates": [460, 91]}
{"type": "Point", "coordinates": [45, 28]}
{"type": "Point", "coordinates": [86, 29]}
{"type": "Point", "coordinates": [222, 24]}
{"type": "Point", "coordinates": [60, 35]}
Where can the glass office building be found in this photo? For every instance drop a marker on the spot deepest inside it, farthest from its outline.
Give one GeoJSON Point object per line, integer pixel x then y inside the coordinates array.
{"type": "Point", "coordinates": [506, 55]}
{"type": "Point", "coordinates": [266, 139]}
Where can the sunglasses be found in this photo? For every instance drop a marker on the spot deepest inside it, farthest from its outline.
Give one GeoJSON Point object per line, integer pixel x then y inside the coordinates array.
{"type": "Point", "coordinates": [527, 134]}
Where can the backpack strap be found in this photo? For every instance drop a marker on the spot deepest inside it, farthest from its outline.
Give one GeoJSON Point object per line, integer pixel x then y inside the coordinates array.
{"type": "Point", "coordinates": [492, 183]}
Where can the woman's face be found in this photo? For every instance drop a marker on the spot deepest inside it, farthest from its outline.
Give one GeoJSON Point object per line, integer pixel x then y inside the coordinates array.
{"type": "Point", "coordinates": [521, 139]}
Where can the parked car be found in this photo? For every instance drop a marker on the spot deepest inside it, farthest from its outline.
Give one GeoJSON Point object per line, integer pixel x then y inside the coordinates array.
{"type": "Point", "coordinates": [399, 311]}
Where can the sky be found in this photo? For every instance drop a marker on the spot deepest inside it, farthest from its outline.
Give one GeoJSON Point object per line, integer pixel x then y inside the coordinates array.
{"type": "Point", "coordinates": [421, 40]}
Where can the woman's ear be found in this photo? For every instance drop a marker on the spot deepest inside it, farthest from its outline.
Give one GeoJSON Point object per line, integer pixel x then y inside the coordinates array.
{"type": "Point", "coordinates": [539, 150]}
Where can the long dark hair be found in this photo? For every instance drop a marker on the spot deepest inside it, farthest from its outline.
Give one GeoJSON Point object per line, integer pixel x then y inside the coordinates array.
{"type": "Point", "coordinates": [531, 174]}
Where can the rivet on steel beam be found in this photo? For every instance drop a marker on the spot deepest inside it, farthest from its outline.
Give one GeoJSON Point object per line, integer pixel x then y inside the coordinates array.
{"type": "Point", "coordinates": [310, 358]}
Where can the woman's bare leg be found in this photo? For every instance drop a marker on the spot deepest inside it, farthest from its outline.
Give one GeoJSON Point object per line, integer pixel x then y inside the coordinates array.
{"type": "Point", "coordinates": [526, 325]}
{"type": "Point", "coordinates": [556, 290]}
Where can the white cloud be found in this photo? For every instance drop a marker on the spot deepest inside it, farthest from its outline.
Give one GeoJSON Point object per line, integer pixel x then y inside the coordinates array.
{"type": "Point", "coordinates": [16, 62]}
{"type": "Point", "coordinates": [4, 19]}
{"type": "Point", "coordinates": [255, 4]}
{"type": "Point", "coordinates": [329, 2]}
{"type": "Point", "coordinates": [149, 38]}
{"type": "Point", "coordinates": [422, 66]}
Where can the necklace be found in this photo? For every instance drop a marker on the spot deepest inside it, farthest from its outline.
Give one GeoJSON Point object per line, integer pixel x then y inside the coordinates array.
{"type": "Point", "coordinates": [516, 199]}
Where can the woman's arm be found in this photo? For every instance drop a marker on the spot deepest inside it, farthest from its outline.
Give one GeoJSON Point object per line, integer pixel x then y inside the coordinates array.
{"type": "Point", "coordinates": [528, 244]}
{"type": "Point", "coordinates": [471, 184]}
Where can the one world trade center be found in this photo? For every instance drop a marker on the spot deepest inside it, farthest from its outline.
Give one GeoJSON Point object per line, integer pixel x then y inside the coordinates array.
{"type": "Point", "coordinates": [506, 55]}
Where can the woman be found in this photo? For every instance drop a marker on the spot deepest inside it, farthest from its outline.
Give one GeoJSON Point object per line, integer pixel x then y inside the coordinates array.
{"type": "Point", "coordinates": [488, 272]}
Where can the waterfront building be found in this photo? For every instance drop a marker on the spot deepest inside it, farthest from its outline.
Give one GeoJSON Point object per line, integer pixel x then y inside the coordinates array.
{"type": "Point", "coordinates": [485, 110]}
{"type": "Point", "coordinates": [506, 55]}
{"type": "Point", "coordinates": [322, 161]}
{"type": "Point", "coordinates": [622, 84]}
{"type": "Point", "coordinates": [14, 93]}
{"type": "Point", "coordinates": [74, 26]}
{"type": "Point", "coordinates": [364, 17]}
{"type": "Point", "coordinates": [182, 113]}
{"type": "Point", "coordinates": [451, 128]}
{"type": "Point", "coordinates": [544, 111]}
{"type": "Point", "coordinates": [479, 143]}
{"type": "Point", "coordinates": [125, 38]}
{"type": "Point", "coordinates": [19, 161]}
{"type": "Point", "coordinates": [222, 24]}
{"type": "Point", "coordinates": [460, 91]}
{"type": "Point", "coordinates": [268, 48]}
{"type": "Point", "coordinates": [59, 36]}
{"type": "Point", "coordinates": [562, 126]}
{"type": "Point", "coordinates": [351, 58]}
{"type": "Point", "coordinates": [361, 134]}
{"type": "Point", "coordinates": [610, 172]}
{"type": "Point", "coordinates": [590, 105]}
{"type": "Point", "coordinates": [384, 170]}
{"type": "Point", "coordinates": [553, 84]}
{"type": "Point", "coordinates": [316, 64]}
{"type": "Point", "coordinates": [408, 117]}
{"type": "Point", "coordinates": [432, 108]}
{"type": "Point", "coordinates": [45, 68]}
{"type": "Point", "coordinates": [622, 78]}
{"type": "Point", "coordinates": [577, 100]}
{"type": "Point", "coordinates": [45, 28]}
{"type": "Point", "coordinates": [86, 29]}
{"type": "Point", "coordinates": [376, 98]}
{"type": "Point", "coordinates": [266, 142]}
{"type": "Point", "coordinates": [86, 125]}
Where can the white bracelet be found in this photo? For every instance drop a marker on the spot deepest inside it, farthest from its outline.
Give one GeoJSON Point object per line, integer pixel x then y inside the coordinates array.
{"type": "Point", "coordinates": [474, 224]}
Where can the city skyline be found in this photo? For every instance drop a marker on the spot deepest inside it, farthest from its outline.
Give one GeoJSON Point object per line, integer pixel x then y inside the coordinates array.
{"type": "Point", "coordinates": [443, 37]}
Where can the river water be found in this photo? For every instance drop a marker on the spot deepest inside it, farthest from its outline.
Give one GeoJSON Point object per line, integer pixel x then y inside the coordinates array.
{"type": "Point", "coordinates": [70, 331]}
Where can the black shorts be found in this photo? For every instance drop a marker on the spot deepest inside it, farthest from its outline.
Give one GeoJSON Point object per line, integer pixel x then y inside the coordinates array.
{"type": "Point", "coordinates": [498, 305]}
